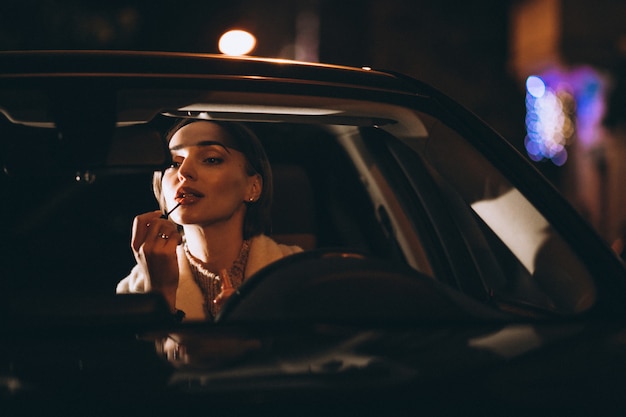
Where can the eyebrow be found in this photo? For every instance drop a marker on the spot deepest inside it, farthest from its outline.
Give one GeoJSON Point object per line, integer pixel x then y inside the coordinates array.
{"type": "Point", "coordinates": [201, 143]}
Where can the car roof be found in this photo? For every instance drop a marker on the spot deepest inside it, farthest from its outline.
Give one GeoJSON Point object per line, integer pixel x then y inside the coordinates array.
{"type": "Point", "coordinates": [174, 64]}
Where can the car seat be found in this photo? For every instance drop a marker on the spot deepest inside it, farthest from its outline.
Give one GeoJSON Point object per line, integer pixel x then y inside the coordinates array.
{"type": "Point", "coordinates": [293, 209]}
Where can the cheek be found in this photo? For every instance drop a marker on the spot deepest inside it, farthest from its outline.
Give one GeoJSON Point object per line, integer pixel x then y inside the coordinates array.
{"type": "Point", "coordinates": [168, 187]}
{"type": "Point", "coordinates": [233, 181]}
{"type": "Point", "coordinates": [229, 185]}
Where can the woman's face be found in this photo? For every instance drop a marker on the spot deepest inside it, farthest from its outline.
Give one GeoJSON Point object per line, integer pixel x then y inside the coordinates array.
{"type": "Point", "coordinates": [208, 177]}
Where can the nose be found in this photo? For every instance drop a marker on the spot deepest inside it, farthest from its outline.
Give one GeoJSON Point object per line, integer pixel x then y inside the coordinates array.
{"type": "Point", "coordinates": [186, 171]}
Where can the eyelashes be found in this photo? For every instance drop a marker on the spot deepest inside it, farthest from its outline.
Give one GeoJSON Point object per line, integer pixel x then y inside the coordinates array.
{"type": "Point", "coordinates": [213, 160]}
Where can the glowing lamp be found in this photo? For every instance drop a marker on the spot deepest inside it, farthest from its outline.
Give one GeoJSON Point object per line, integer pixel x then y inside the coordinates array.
{"type": "Point", "coordinates": [237, 42]}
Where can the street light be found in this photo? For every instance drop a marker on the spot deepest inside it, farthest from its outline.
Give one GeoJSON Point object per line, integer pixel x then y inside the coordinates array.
{"type": "Point", "coordinates": [236, 42]}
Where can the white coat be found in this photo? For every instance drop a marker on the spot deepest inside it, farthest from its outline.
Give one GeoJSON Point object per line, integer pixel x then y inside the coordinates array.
{"type": "Point", "coordinates": [263, 251]}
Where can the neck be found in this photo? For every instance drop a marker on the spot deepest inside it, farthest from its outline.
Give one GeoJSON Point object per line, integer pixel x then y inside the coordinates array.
{"type": "Point", "coordinates": [218, 249]}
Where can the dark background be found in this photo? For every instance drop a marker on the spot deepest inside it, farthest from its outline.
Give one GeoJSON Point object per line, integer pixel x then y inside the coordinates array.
{"type": "Point", "coordinates": [459, 47]}
{"type": "Point", "coordinates": [467, 49]}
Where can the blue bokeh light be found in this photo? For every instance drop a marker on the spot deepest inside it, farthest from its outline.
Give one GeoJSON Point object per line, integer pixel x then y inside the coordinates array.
{"type": "Point", "coordinates": [535, 86]}
{"type": "Point", "coordinates": [548, 123]}
{"type": "Point", "coordinates": [562, 106]}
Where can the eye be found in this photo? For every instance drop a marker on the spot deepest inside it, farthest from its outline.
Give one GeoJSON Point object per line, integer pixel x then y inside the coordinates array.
{"type": "Point", "coordinates": [173, 165]}
{"type": "Point", "coordinates": [213, 160]}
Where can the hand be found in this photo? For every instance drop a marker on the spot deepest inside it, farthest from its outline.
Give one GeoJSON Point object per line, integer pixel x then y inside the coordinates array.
{"type": "Point", "coordinates": [154, 243]}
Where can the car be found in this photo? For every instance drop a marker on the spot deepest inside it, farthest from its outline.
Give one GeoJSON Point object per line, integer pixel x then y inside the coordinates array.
{"type": "Point", "coordinates": [441, 273]}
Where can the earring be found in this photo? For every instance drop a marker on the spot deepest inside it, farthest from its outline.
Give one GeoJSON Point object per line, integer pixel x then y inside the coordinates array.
{"type": "Point", "coordinates": [251, 199]}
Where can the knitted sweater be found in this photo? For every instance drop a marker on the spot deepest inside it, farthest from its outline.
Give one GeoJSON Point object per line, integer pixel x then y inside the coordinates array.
{"type": "Point", "coordinates": [263, 251]}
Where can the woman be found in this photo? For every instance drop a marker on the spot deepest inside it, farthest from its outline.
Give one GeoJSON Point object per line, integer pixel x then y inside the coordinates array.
{"type": "Point", "coordinates": [216, 195]}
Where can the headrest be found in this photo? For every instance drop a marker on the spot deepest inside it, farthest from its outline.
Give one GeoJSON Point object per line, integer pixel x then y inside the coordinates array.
{"type": "Point", "coordinates": [293, 209]}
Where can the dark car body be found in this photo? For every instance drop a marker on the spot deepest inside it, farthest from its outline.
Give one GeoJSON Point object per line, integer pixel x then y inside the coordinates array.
{"type": "Point", "coordinates": [442, 273]}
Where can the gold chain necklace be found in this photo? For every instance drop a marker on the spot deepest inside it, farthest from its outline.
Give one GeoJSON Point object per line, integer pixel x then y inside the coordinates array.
{"type": "Point", "coordinates": [210, 283]}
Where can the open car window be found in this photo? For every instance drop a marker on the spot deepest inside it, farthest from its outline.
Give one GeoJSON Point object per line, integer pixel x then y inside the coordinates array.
{"type": "Point", "coordinates": [522, 261]}
{"type": "Point", "coordinates": [389, 181]}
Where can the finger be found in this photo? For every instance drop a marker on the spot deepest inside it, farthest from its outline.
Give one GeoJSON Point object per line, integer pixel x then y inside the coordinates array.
{"type": "Point", "coordinates": [167, 231]}
{"type": "Point", "coordinates": [170, 238]}
{"type": "Point", "coordinates": [165, 238]}
{"type": "Point", "coordinates": [162, 238]}
{"type": "Point", "coordinates": [142, 228]}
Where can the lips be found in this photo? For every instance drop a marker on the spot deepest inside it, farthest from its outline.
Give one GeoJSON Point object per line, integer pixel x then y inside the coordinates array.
{"type": "Point", "coordinates": [187, 195]}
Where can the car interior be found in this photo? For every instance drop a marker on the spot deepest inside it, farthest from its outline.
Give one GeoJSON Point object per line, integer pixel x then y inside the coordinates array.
{"type": "Point", "coordinates": [341, 183]}
{"type": "Point", "coordinates": [76, 227]}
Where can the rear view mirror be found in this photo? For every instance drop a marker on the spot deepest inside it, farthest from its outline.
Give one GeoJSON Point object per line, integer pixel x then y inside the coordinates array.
{"type": "Point", "coordinates": [138, 146]}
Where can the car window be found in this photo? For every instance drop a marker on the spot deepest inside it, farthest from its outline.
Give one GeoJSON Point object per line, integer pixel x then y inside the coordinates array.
{"type": "Point", "coordinates": [523, 262]}
{"type": "Point", "coordinates": [315, 176]}
{"type": "Point", "coordinates": [420, 194]}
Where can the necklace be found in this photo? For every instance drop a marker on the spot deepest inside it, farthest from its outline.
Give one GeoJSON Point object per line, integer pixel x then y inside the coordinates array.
{"type": "Point", "coordinates": [210, 283]}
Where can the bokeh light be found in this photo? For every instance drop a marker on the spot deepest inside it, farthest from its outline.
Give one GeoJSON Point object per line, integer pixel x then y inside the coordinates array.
{"type": "Point", "coordinates": [535, 86]}
{"type": "Point", "coordinates": [237, 42]}
{"type": "Point", "coordinates": [549, 123]}
{"type": "Point", "coordinates": [560, 106]}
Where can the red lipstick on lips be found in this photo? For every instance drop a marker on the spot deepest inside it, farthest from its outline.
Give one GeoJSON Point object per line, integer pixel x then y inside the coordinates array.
{"type": "Point", "coordinates": [185, 196]}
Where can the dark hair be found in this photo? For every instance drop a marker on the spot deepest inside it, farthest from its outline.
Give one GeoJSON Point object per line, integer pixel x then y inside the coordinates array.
{"type": "Point", "coordinates": [257, 219]}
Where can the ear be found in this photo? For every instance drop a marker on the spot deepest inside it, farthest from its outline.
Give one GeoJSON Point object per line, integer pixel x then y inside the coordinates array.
{"type": "Point", "coordinates": [255, 189]}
